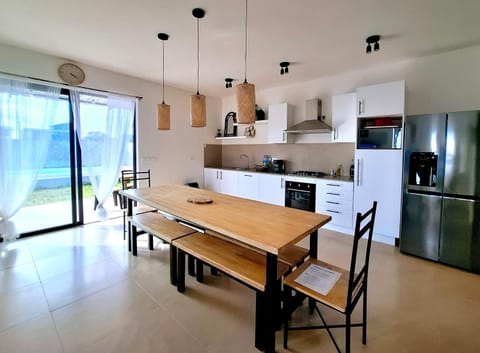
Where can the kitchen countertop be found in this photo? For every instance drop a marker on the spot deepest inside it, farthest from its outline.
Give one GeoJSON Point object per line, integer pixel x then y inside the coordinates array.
{"type": "Point", "coordinates": [253, 170]}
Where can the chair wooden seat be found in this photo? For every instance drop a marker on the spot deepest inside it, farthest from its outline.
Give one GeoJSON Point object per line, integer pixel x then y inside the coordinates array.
{"type": "Point", "coordinates": [242, 263]}
{"type": "Point", "coordinates": [336, 298]}
{"type": "Point", "coordinates": [345, 293]}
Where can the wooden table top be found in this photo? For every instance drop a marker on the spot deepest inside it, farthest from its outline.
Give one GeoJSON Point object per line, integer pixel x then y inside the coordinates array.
{"type": "Point", "coordinates": [261, 225]}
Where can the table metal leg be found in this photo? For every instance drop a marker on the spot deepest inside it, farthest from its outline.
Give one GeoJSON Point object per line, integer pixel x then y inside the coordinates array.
{"type": "Point", "coordinates": [268, 304]}
{"type": "Point", "coordinates": [129, 229]}
{"type": "Point", "coordinates": [173, 265]}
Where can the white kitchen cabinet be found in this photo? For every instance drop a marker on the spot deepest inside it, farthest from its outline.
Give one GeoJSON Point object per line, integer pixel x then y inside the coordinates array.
{"type": "Point", "coordinates": [378, 177]}
{"type": "Point", "coordinates": [335, 198]}
{"type": "Point", "coordinates": [272, 189]}
{"type": "Point", "coordinates": [280, 117]}
{"type": "Point", "coordinates": [221, 180]}
{"type": "Point", "coordinates": [248, 185]}
{"type": "Point", "coordinates": [344, 118]}
{"type": "Point", "coordinates": [386, 99]}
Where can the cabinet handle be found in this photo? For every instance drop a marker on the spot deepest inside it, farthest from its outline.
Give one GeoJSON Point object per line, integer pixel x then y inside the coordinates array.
{"type": "Point", "coordinates": [283, 137]}
{"type": "Point", "coordinates": [217, 174]}
{"type": "Point", "coordinates": [333, 203]}
{"type": "Point", "coordinates": [333, 193]}
{"type": "Point", "coordinates": [282, 183]}
{"type": "Point", "coordinates": [221, 175]}
{"type": "Point", "coordinates": [334, 134]}
{"type": "Point", "coordinates": [333, 184]}
{"type": "Point", "coordinates": [332, 211]}
{"type": "Point", "coordinates": [359, 107]}
{"type": "Point", "coordinates": [248, 175]}
{"type": "Point", "coordinates": [358, 172]}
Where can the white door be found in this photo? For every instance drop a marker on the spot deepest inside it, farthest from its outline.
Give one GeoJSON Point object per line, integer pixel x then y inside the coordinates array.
{"type": "Point", "coordinates": [248, 185]}
{"type": "Point", "coordinates": [228, 183]}
{"type": "Point", "coordinates": [210, 179]}
{"type": "Point", "coordinates": [272, 189]}
{"type": "Point", "coordinates": [383, 99]}
{"type": "Point", "coordinates": [378, 177]}
{"type": "Point", "coordinates": [344, 118]}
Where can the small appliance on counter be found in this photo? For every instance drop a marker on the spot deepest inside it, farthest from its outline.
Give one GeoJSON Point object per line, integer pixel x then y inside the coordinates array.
{"type": "Point", "coordinates": [278, 165]}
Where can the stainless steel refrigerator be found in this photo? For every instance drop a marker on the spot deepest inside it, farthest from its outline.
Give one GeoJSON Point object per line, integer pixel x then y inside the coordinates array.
{"type": "Point", "coordinates": [441, 189]}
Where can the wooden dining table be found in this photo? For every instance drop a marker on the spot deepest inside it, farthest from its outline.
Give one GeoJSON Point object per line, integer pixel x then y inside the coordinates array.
{"type": "Point", "coordinates": [268, 228]}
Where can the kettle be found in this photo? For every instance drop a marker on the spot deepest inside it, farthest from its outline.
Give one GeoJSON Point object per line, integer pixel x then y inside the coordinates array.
{"type": "Point", "coordinates": [278, 165]}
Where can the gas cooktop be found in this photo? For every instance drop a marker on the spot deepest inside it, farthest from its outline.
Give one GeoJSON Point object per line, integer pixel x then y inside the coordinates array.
{"type": "Point", "coordinates": [310, 173]}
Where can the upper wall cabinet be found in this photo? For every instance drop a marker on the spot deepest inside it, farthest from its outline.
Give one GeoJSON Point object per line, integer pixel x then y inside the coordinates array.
{"type": "Point", "coordinates": [382, 99]}
{"type": "Point", "coordinates": [280, 117]}
{"type": "Point", "coordinates": [344, 118]}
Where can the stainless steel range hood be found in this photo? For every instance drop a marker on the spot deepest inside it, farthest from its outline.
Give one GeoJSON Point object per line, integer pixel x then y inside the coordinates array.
{"type": "Point", "coordinates": [313, 123]}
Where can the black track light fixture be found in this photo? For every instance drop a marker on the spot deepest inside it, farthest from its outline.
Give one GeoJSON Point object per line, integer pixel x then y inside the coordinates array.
{"type": "Point", "coordinates": [284, 67]}
{"type": "Point", "coordinates": [373, 40]}
{"type": "Point", "coordinates": [228, 82]}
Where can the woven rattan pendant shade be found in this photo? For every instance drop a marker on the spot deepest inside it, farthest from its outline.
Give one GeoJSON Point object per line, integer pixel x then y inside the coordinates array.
{"type": "Point", "coordinates": [198, 107]}
{"type": "Point", "coordinates": [163, 110]}
{"type": "Point", "coordinates": [198, 111]}
{"type": "Point", "coordinates": [163, 116]}
{"type": "Point", "coordinates": [245, 94]}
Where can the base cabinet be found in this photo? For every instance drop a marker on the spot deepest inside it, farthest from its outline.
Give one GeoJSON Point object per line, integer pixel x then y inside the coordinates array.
{"type": "Point", "coordinates": [272, 189]}
{"type": "Point", "coordinates": [248, 185]}
{"type": "Point", "coordinates": [221, 180]}
{"type": "Point", "coordinates": [335, 198]}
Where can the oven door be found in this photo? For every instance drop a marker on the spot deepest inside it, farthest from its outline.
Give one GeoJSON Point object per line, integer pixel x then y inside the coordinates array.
{"type": "Point", "coordinates": [300, 195]}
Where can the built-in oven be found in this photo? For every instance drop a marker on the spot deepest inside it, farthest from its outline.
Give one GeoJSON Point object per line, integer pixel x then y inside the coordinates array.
{"type": "Point", "coordinates": [300, 195]}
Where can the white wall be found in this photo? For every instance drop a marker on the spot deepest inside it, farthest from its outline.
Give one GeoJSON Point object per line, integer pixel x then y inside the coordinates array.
{"type": "Point", "coordinates": [439, 83]}
{"type": "Point", "coordinates": [174, 156]}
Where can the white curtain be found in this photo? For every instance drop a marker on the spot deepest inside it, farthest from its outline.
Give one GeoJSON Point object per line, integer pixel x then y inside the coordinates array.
{"type": "Point", "coordinates": [27, 112]}
{"type": "Point", "coordinates": [103, 148]}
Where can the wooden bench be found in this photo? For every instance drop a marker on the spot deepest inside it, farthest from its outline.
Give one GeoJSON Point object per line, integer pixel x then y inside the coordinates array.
{"type": "Point", "coordinates": [156, 225]}
{"type": "Point", "coordinates": [292, 255]}
{"type": "Point", "coordinates": [239, 262]}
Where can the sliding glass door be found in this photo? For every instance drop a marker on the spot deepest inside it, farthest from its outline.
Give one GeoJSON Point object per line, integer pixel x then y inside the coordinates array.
{"type": "Point", "coordinates": [43, 183]}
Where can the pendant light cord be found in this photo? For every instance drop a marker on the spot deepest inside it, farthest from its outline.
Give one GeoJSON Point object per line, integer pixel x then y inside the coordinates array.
{"type": "Point", "coordinates": [163, 74]}
{"type": "Point", "coordinates": [198, 56]}
{"type": "Point", "coordinates": [246, 38]}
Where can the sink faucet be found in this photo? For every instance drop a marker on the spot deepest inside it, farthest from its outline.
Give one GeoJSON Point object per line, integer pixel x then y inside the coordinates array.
{"type": "Point", "coordinates": [243, 155]}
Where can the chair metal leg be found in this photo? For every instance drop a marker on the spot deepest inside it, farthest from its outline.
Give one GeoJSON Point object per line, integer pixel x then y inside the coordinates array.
{"type": "Point", "coordinates": [348, 322]}
{"type": "Point", "coordinates": [191, 265]}
{"type": "Point", "coordinates": [364, 321]}
{"type": "Point", "coordinates": [150, 242]}
{"type": "Point", "coordinates": [286, 312]}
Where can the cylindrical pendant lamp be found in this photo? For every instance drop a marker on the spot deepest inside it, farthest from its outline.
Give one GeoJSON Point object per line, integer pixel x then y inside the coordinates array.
{"type": "Point", "coordinates": [198, 108]}
{"type": "Point", "coordinates": [163, 110]}
{"type": "Point", "coordinates": [198, 111]}
{"type": "Point", "coordinates": [245, 92]}
{"type": "Point", "coordinates": [163, 116]}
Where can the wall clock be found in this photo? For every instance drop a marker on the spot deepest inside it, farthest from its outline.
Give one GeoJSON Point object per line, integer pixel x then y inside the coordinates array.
{"type": "Point", "coordinates": [71, 74]}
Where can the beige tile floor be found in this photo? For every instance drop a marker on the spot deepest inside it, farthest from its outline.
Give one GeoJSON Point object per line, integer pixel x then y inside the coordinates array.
{"type": "Point", "coordinates": [79, 290]}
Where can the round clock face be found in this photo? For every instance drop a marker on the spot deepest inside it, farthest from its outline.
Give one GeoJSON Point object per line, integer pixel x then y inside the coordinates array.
{"type": "Point", "coordinates": [71, 74]}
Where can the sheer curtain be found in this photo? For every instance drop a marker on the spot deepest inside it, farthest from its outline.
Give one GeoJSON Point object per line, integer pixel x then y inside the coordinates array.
{"type": "Point", "coordinates": [103, 145]}
{"type": "Point", "coordinates": [27, 112]}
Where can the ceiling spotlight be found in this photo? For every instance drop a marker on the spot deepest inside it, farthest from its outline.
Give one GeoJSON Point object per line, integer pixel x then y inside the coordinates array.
{"type": "Point", "coordinates": [228, 82]}
{"type": "Point", "coordinates": [284, 67]}
{"type": "Point", "coordinates": [373, 40]}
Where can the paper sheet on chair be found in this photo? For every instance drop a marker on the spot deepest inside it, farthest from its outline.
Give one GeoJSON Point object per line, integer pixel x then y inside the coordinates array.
{"type": "Point", "coordinates": [318, 278]}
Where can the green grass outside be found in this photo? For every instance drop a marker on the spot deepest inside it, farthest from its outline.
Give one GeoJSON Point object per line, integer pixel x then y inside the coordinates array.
{"type": "Point", "coordinates": [46, 196]}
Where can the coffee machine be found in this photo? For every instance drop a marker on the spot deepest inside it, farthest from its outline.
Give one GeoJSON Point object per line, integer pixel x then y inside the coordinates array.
{"type": "Point", "coordinates": [278, 165]}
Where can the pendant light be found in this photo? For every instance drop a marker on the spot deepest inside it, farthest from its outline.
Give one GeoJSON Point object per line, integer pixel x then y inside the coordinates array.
{"type": "Point", "coordinates": [163, 110]}
{"type": "Point", "coordinates": [198, 111]}
{"type": "Point", "coordinates": [245, 91]}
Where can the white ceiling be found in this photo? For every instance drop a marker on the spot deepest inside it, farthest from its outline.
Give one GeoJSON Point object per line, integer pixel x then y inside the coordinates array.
{"type": "Point", "coordinates": [319, 37]}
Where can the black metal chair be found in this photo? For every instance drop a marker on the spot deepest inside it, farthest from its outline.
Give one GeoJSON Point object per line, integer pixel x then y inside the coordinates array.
{"type": "Point", "coordinates": [132, 179]}
{"type": "Point", "coordinates": [346, 291]}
